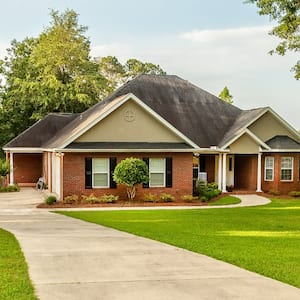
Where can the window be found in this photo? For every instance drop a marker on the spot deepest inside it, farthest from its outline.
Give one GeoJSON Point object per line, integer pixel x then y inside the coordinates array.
{"type": "Point", "coordinates": [157, 170]}
{"type": "Point", "coordinates": [100, 172]}
{"type": "Point", "coordinates": [269, 168]}
{"type": "Point", "coordinates": [286, 172]}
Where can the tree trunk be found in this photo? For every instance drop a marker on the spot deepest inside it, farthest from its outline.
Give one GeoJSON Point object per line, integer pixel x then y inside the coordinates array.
{"type": "Point", "coordinates": [131, 191]}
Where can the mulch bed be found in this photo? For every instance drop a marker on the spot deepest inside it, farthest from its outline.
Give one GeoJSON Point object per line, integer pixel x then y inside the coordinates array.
{"type": "Point", "coordinates": [121, 203]}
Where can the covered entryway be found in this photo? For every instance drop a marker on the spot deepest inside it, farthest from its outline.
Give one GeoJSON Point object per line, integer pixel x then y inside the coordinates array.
{"type": "Point", "coordinates": [26, 168]}
{"type": "Point", "coordinates": [245, 172]}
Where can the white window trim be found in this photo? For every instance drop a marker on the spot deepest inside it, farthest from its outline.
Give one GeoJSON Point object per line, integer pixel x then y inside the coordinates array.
{"type": "Point", "coordinates": [265, 174]}
{"type": "Point", "coordinates": [164, 173]}
{"type": "Point", "coordinates": [108, 174]}
{"type": "Point", "coordinates": [292, 168]}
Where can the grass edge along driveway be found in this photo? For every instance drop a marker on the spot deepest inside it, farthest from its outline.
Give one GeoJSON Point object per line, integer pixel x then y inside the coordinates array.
{"type": "Point", "coordinates": [14, 278]}
{"type": "Point", "coordinates": [262, 239]}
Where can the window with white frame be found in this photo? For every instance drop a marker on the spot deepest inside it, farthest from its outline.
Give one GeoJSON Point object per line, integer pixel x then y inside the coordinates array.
{"type": "Point", "coordinates": [269, 168]}
{"type": "Point", "coordinates": [286, 171]}
{"type": "Point", "coordinates": [100, 169]}
{"type": "Point", "coordinates": [157, 171]}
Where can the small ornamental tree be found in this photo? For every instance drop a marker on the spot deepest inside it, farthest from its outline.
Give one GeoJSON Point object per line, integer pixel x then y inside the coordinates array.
{"type": "Point", "coordinates": [4, 170]}
{"type": "Point", "coordinates": [131, 172]}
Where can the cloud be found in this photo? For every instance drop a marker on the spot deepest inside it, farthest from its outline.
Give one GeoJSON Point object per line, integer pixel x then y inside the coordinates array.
{"type": "Point", "coordinates": [221, 35]}
{"type": "Point", "coordinates": [121, 51]}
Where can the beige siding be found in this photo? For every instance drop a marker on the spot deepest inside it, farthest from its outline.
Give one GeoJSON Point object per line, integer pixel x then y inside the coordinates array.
{"type": "Point", "coordinates": [244, 145]}
{"type": "Point", "coordinates": [129, 123]}
{"type": "Point", "coordinates": [267, 127]}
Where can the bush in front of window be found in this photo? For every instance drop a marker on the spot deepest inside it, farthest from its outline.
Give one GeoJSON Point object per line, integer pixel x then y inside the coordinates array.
{"type": "Point", "coordinates": [164, 197]}
{"type": "Point", "coordinates": [188, 198]}
{"type": "Point", "coordinates": [153, 198]}
{"type": "Point", "coordinates": [274, 192]}
{"type": "Point", "coordinates": [131, 172]}
{"type": "Point", "coordinates": [294, 194]}
{"type": "Point", "coordinates": [91, 199]}
{"type": "Point", "coordinates": [109, 198]}
{"type": "Point", "coordinates": [71, 199]}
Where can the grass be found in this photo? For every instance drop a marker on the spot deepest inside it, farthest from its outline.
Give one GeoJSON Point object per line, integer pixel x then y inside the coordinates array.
{"type": "Point", "coordinates": [226, 201]}
{"type": "Point", "coordinates": [263, 239]}
{"type": "Point", "coordinates": [14, 278]}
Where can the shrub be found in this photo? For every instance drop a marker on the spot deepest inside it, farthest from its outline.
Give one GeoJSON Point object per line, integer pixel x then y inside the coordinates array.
{"type": "Point", "coordinates": [164, 197]}
{"type": "Point", "coordinates": [72, 199]}
{"type": "Point", "coordinates": [198, 187]}
{"type": "Point", "coordinates": [294, 193]}
{"type": "Point", "coordinates": [150, 198]}
{"type": "Point", "coordinates": [10, 188]}
{"type": "Point", "coordinates": [209, 190]}
{"type": "Point", "coordinates": [274, 192]}
{"type": "Point", "coordinates": [90, 199]}
{"type": "Point", "coordinates": [50, 200]}
{"type": "Point", "coordinates": [131, 172]}
{"type": "Point", "coordinates": [109, 198]}
{"type": "Point", "coordinates": [188, 198]}
{"type": "Point", "coordinates": [203, 199]}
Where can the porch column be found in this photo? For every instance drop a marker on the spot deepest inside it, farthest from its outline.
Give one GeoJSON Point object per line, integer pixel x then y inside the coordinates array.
{"type": "Point", "coordinates": [258, 189]}
{"type": "Point", "coordinates": [220, 172]}
{"type": "Point", "coordinates": [61, 162]}
{"type": "Point", "coordinates": [11, 166]}
{"type": "Point", "coordinates": [224, 174]}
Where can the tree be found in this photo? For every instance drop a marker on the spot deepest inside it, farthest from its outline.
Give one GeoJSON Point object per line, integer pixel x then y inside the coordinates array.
{"type": "Point", "coordinates": [51, 73]}
{"type": "Point", "coordinates": [225, 95]}
{"type": "Point", "coordinates": [117, 74]}
{"type": "Point", "coordinates": [54, 73]}
{"type": "Point", "coordinates": [287, 14]}
{"type": "Point", "coordinates": [131, 172]}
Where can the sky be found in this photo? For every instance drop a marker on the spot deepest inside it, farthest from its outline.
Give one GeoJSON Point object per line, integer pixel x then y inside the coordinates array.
{"type": "Point", "coordinates": [212, 44]}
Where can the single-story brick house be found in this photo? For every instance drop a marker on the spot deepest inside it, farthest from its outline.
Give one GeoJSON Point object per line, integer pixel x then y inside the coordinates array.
{"type": "Point", "coordinates": [180, 130]}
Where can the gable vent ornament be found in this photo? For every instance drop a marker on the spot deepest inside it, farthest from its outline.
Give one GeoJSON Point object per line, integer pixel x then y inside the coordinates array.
{"type": "Point", "coordinates": [129, 115]}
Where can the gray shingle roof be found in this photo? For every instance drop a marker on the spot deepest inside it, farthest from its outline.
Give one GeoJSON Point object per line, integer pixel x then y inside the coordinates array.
{"type": "Point", "coordinates": [199, 115]}
{"type": "Point", "coordinates": [283, 142]}
{"type": "Point", "coordinates": [239, 124]}
{"type": "Point", "coordinates": [40, 132]}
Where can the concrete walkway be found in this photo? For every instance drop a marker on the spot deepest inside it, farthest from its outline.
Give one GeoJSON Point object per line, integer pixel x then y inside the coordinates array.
{"type": "Point", "coordinates": [72, 259]}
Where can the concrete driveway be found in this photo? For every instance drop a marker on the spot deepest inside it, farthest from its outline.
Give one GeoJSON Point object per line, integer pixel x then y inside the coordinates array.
{"type": "Point", "coordinates": [72, 259]}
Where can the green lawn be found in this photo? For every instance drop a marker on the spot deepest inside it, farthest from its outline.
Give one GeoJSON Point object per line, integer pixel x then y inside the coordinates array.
{"type": "Point", "coordinates": [264, 239]}
{"type": "Point", "coordinates": [226, 201]}
{"type": "Point", "coordinates": [14, 279]}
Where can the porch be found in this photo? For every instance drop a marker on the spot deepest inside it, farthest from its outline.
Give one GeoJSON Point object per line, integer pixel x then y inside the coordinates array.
{"type": "Point", "coordinates": [240, 172]}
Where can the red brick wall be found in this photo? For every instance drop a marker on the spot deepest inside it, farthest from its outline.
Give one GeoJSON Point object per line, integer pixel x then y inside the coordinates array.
{"type": "Point", "coordinates": [74, 174]}
{"type": "Point", "coordinates": [283, 186]}
{"type": "Point", "coordinates": [27, 167]}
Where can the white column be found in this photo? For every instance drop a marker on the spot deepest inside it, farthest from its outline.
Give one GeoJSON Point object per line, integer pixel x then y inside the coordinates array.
{"type": "Point", "coordinates": [224, 174]}
{"type": "Point", "coordinates": [11, 166]}
{"type": "Point", "coordinates": [258, 173]}
{"type": "Point", "coordinates": [220, 172]}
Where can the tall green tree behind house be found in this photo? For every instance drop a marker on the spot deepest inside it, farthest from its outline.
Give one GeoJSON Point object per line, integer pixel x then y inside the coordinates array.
{"type": "Point", "coordinates": [118, 73]}
{"type": "Point", "coordinates": [287, 15]}
{"type": "Point", "coordinates": [54, 73]}
{"type": "Point", "coordinates": [225, 95]}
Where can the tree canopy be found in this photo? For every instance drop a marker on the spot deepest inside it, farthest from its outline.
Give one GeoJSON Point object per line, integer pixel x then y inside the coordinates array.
{"type": "Point", "coordinates": [287, 15]}
{"type": "Point", "coordinates": [55, 73]}
{"type": "Point", "coordinates": [225, 95]}
{"type": "Point", "coordinates": [131, 172]}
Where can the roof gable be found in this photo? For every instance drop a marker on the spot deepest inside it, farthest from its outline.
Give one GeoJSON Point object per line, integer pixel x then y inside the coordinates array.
{"type": "Point", "coordinates": [99, 113]}
{"type": "Point", "coordinates": [130, 122]}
